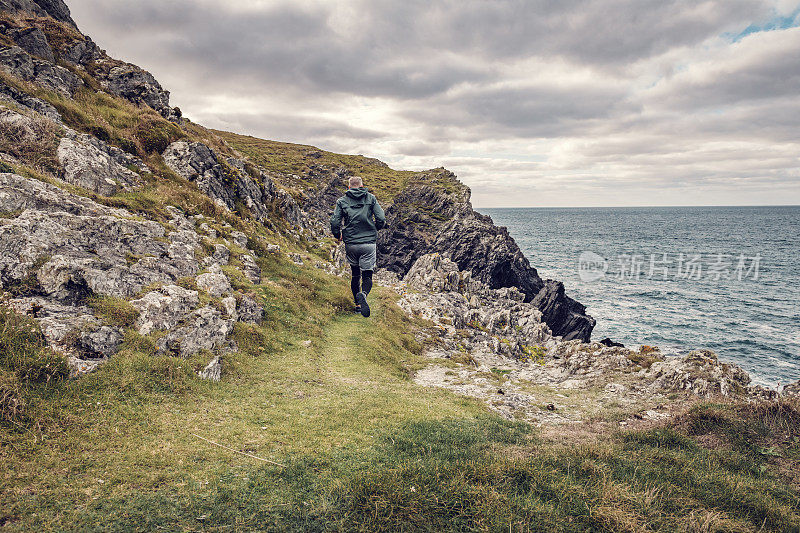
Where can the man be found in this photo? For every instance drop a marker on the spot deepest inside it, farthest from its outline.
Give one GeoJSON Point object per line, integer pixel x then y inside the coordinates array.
{"type": "Point", "coordinates": [356, 219]}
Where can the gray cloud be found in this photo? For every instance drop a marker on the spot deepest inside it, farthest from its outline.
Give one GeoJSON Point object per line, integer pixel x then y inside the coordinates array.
{"type": "Point", "coordinates": [601, 100]}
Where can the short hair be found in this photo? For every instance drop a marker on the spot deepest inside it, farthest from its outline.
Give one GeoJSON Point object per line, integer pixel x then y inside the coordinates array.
{"type": "Point", "coordinates": [355, 181]}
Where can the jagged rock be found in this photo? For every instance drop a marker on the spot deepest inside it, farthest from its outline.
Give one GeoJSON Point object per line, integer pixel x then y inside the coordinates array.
{"type": "Point", "coordinates": [249, 311]}
{"type": "Point", "coordinates": [212, 371]}
{"type": "Point", "coordinates": [608, 342]}
{"type": "Point", "coordinates": [28, 102]}
{"type": "Point", "coordinates": [221, 255]}
{"type": "Point", "coordinates": [215, 283]}
{"type": "Point", "coordinates": [139, 87]}
{"type": "Point", "coordinates": [700, 372]}
{"type": "Point", "coordinates": [206, 330]}
{"type": "Point", "coordinates": [81, 52]}
{"type": "Point", "coordinates": [90, 163]}
{"type": "Point", "coordinates": [24, 66]}
{"type": "Point", "coordinates": [56, 320]}
{"type": "Point", "coordinates": [75, 247]}
{"type": "Point", "coordinates": [791, 390]}
{"type": "Point", "coordinates": [566, 317]}
{"type": "Point", "coordinates": [102, 342]}
{"type": "Point", "coordinates": [425, 219]}
{"type": "Point", "coordinates": [239, 239]}
{"type": "Point", "coordinates": [273, 248]}
{"type": "Point", "coordinates": [229, 304]}
{"type": "Point", "coordinates": [34, 41]}
{"type": "Point", "coordinates": [165, 308]}
{"type": "Point", "coordinates": [250, 268]}
{"type": "Point", "coordinates": [56, 9]}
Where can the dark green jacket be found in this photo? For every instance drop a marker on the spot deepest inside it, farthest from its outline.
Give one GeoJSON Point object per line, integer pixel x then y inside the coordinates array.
{"type": "Point", "coordinates": [353, 217]}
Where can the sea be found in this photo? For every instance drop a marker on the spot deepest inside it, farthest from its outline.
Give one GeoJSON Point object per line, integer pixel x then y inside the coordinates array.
{"type": "Point", "coordinates": [680, 278]}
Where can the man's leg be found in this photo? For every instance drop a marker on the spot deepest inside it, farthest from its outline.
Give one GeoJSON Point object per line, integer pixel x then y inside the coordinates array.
{"type": "Point", "coordinates": [355, 281]}
{"type": "Point", "coordinates": [366, 281]}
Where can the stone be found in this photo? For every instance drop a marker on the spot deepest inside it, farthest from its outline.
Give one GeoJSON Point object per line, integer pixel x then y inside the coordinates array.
{"type": "Point", "coordinates": [28, 102]}
{"type": "Point", "coordinates": [206, 329]}
{"type": "Point", "coordinates": [34, 41]}
{"type": "Point", "coordinates": [102, 342]}
{"type": "Point", "coordinates": [425, 219]}
{"type": "Point", "coordinates": [21, 64]}
{"type": "Point", "coordinates": [139, 87]}
{"type": "Point", "coordinates": [250, 268]}
{"type": "Point", "coordinates": [297, 259]}
{"type": "Point", "coordinates": [608, 342]}
{"type": "Point", "coordinates": [229, 304]}
{"type": "Point", "coordinates": [239, 239]}
{"type": "Point", "coordinates": [165, 308]}
{"type": "Point", "coordinates": [221, 255]}
{"type": "Point", "coordinates": [94, 165]}
{"type": "Point", "coordinates": [215, 284]}
{"type": "Point", "coordinates": [212, 371]}
{"type": "Point", "coordinates": [56, 9]}
{"type": "Point", "coordinates": [248, 310]}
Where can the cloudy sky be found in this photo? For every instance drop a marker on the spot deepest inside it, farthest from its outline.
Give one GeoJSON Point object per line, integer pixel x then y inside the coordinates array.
{"type": "Point", "coordinates": [530, 102]}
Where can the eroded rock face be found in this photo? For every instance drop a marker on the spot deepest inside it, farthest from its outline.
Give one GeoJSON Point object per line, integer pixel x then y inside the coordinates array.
{"type": "Point", "coordinates": [90, 163]}
{"type": "Point", "coordinates": [138, 86]}
{"type": "Point", "coordinates": [21, 64]}
{"type": "Point", "coordinates": [28, 102]}
{"type": "Point", "coordinates": [230, 181]}
{"type": "Point", "coordinates": [56, 9]}
{"type": "Point", "coordinates": [164, 308]}
{"type": "Point", "coordinates": [505, 355]}
{"type": "Point", "coordinates": [206, 329]}
{"type": "Point", "coordinates": [424, 219]}
{"type": "Point", "coordinates": [34, 41]}
{"type": "Point", "coordinates": [57, 249]}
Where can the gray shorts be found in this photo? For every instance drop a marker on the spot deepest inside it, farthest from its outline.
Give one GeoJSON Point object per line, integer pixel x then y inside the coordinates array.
{"type": "Point", "coordinates": [362, 255]}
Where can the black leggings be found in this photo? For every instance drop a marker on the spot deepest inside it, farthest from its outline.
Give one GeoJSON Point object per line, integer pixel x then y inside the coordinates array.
{"type": "Point", "coordinates": [362, 281]}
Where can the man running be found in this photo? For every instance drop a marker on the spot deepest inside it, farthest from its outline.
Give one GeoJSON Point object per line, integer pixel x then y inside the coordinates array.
{"type": "Point", "coordinates": [362, 216]}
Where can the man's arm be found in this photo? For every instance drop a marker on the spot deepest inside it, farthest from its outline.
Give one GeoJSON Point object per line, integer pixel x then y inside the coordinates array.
{"type": "Point", "coordinates": [336, 222]}
{"type": "Point", "coordinates": [380, 216]}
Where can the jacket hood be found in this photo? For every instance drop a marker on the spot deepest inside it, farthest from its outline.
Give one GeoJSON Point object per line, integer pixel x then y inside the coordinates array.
{"type": "Point", "coordinates": [359, 193]}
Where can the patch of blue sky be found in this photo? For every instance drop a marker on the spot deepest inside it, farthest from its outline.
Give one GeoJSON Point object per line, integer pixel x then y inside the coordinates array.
{"type": "Point", "coordinates": [777, 22]}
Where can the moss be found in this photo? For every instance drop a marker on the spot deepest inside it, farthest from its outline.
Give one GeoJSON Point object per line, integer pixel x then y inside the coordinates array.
{"type": "Point", "coordinates": [114, 311]}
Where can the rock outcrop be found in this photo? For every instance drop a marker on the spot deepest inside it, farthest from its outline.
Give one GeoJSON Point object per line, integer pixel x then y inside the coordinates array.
{"type": "Point", "coordinates": [231, 181]}
{"type": "Point", "coordinates": [491, 344]}
{"type": "Point", "coordinates": [56, 9]}
{"type": "Point", "coordinates": [438, 217]}
{"type": "Point", "coordinates": [24, 66]}
{"type": "Point", "coordinates": [91, 163]}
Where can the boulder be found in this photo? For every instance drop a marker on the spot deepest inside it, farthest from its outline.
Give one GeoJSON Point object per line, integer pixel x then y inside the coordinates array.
{"type": "Point", "coordinates": [165, 308]}
{"type": "Point", "coordinates": [250, 268]}
{"type": "Point", "coordinates": [214, 283]}
{"type": "Point", "coordinates": [248, 310]}
{"type": "Point", "coordinates": [212, 371]}
{"type": "Point", "coordinates": [139, 87]}
{"type": "Point", "coordinates": [100, 343]}
{"type": "Point", "coordinates": [92, 164]}
{"type": "Point", "coordinates": [21, 64]}
{"type": "Point", "coordinates": [33, 41]}
{"type": "Point", "coordinates": [206, 329]}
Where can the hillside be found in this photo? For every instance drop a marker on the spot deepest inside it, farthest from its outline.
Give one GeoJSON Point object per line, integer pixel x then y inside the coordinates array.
{"type": "Point", "coordinates": [178, 349]}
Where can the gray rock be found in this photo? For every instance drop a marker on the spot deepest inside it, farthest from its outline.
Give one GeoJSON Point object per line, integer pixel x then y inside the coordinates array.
{"type": "Point", "coordinates": [229, 304]}
{"type": "Point", "coordinates": [249, 311]}
{"type": "Point", "coordinates": [165, 308]}
{"type": "Point", "coordinates": [28, 102]}
{"type": "Point", "coordinates": [793, 389]}
{"type": "Point", "coordinates": [227, 182]}
{"type": "Point", "coordinates": [81, 52]}
{"type": "Point", "coordinates": [139, 87]}
{"type": "Point", "coordinates": [212, 371]}
{"type": "Point", "coordinates": [221, 255]}
{"type": "Point", "coordinates": [21, 64]}
{"type": "Point", "coordinates": [206, 330]}
{"type": "Point", "coordinates": [90, 163]}
{"type": "Point", "coordinates": [239, 239]}
{"type": "Point", "coordinates": [250, 268]}
{"type": "Point", "coordinates": [56, 9]}
{"type": "Point", "coordinates": [216, 284]}
{"type": "Point", "coordinates": [34, 41]}
{"type": "Point", "coordinates": [102, 342]}
{"type": "Point", "coordinates": [425, 219]}
{"type": "Point", "coordinates": [75, 247]}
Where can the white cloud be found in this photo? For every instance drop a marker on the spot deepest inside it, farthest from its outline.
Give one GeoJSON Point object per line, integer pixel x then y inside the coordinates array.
{"type": "Point", "coordinates": [531, 102]}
